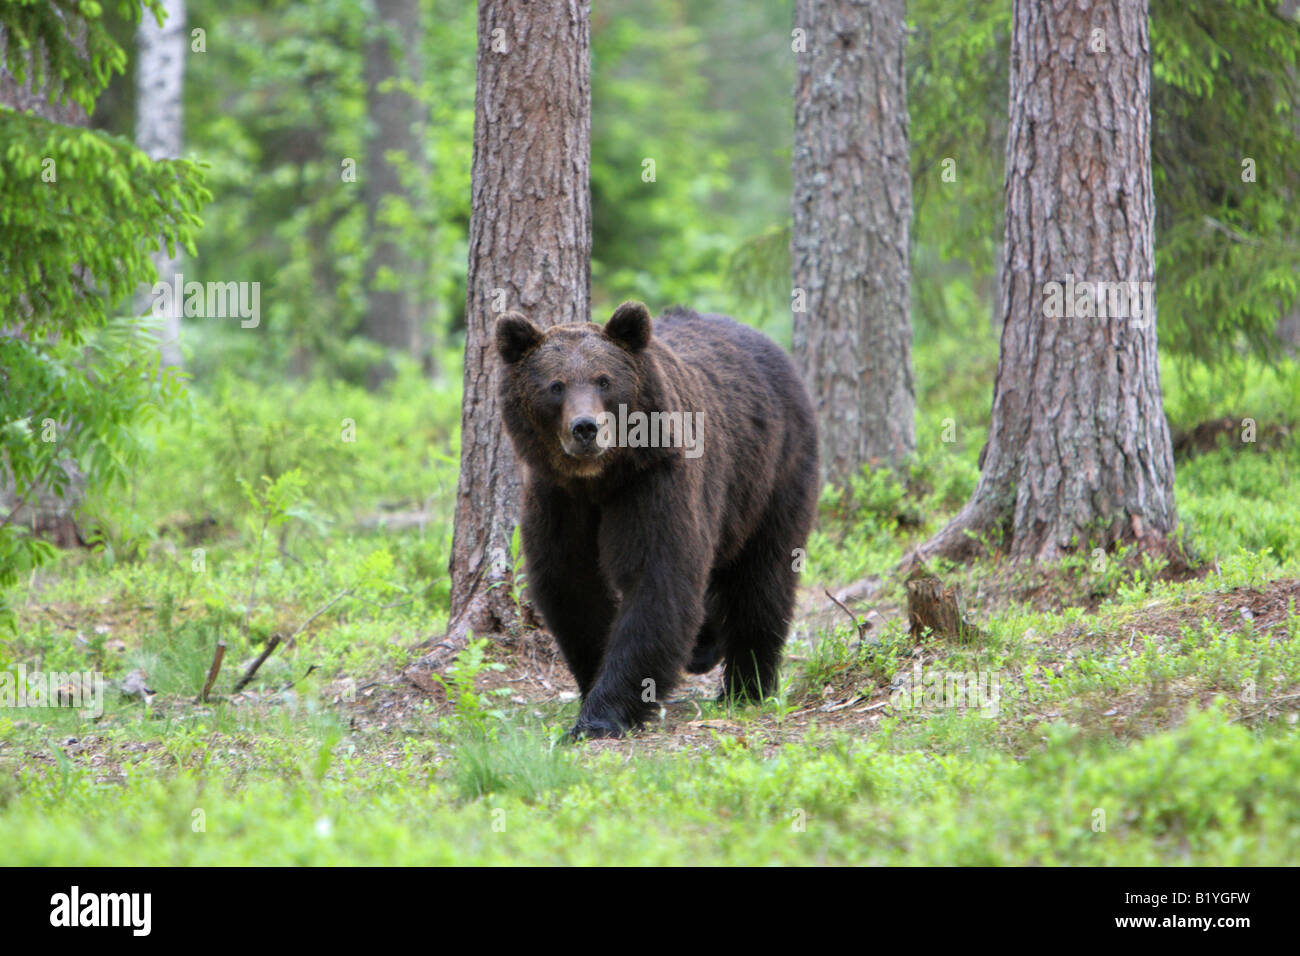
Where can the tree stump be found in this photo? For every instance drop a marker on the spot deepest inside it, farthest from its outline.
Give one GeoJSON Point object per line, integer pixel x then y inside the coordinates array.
{"type": "Point", "coordinates": [931, 606]}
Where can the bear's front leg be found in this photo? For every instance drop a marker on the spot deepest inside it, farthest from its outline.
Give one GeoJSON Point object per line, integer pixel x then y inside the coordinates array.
{"type": "Point", "coordinates": [649, 645]}
{"type": "Point", "coordinates": [558, 533]}
{"type": "Point", "coordinates": [660, 573]}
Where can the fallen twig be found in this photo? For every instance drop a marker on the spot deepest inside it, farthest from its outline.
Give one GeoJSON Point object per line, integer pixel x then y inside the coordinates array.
{"type": "Point", "coordinates": [848, 702]}
{"type": "Point", "coordinates": [862, 628]}
{"type": "Point", "coordinates": [1268, 705]}
{"type": "Point", "coordinates": [271, 645]}
{"type": "Point", "coordinates": [325, 607]}
{"type": "Point", "coordinates": [213, 671]}
{"type": "Point", "coordinates": [305, 675]}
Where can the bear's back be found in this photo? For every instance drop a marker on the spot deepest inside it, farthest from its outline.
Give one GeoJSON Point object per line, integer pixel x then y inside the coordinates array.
{"type": "Point", "coordinates": [760, 432]}
{"type": "Point", "coordinates": [737, 359]}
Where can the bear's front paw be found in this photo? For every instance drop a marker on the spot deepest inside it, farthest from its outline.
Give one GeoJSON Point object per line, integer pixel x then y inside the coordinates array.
{"type": "Point", "coordinates": [596, 726]}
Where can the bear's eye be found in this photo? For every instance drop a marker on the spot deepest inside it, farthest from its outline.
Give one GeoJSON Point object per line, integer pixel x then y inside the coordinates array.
{"type": "Point", "coordinates": [603, 382]}
{"type": "Point", "coordinates": [557, 388]}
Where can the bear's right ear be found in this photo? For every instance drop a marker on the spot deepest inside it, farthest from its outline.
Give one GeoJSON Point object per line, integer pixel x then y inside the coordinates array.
{"type": "Point", "coordinates": [629, 326]}
{"type": "Point", "coordinates": [515, 335]}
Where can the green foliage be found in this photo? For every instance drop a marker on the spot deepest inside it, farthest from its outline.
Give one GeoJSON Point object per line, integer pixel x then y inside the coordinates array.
{"type": "Point", "coordinates": [757, 273]}
{"type": "Point", "coordinates": [520, 761]}
{"type": "Point", "coordinates": [664, 240]}
{"type": "Point", "coordinates": [1242, 497]}
{"type": "Point", "coordinates": [253, 107]}
{"type": "Point", "coordinates": [347, 442]}
{"type": "Point", "coordinates": [280, 110]}
{"type": "Point", "coordinates": [283, 217]}
{"type": "Point", "coordinates": [1208, 792]}
{"type": "Point", "coordinates": [74, 68]}
{"type": "Point", "coordinates": [98, 201]}
{"type": "Point", "coordinates": [469, 705]}
{"type": "Point", "coordinates": [1226, 158]}
{"type": "Point", "coordinates": [1239, 499]}
{"type": "Point", "coordinates": [957, 108]}
{"type": "Point", "coordinates": [79, 210]}
{"type": "Point", "coordinates": [283, 781]}
{"type": "Point", "coordinates": [867, 525]}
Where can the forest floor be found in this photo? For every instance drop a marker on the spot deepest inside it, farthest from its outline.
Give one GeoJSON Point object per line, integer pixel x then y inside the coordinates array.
{"type": "Point", "coordinates": [1192, 679]}
{"type": "Point", "coordinates": [534, 676]}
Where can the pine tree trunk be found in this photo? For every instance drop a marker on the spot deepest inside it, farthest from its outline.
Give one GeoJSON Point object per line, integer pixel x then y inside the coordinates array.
{"type": "Point", "coordinates": [1078, 453]}
{"type": "Point", "coordinates": [393, 314]}
{"type": "Point", "coordinates": [160, 73]}
{"type": "Point", "coordinates": [530, 250]}
{"type": "Point", "coordinates": [852, 211]}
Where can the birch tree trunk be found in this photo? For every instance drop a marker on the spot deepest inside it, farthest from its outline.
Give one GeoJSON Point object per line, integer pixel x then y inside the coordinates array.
{"type": "Point", "coordinates": [530, 250]}
{"type": "Point", "coordinates": [849, 247]}
{"type": "Point", "coordinates": [1078, 453]}
{"type": "Point", "coordinates": [160, 72]}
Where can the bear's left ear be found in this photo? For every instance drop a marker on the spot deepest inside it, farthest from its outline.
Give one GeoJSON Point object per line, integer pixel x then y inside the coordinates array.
{"type": "Point", "coordinates": [629, 326]}
{"type": "Point", "coordinates": [515, 335]}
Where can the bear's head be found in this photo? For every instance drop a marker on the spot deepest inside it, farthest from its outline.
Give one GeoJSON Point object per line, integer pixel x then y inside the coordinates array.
{"type": "Point", "coordinates": [562, 385]}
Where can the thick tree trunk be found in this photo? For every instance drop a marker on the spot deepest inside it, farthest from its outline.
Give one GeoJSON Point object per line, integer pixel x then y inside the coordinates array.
{"type": "Point", "coordinates": [852, 210]}
{"type": "Point", "coordinates": [159, 77]}
{"type": "Point", "coordinates": [1078, 453]}
{"type": "Point", "coordinates": [530, 250]}
{"type": "Point", "coordinates": [393, 310]}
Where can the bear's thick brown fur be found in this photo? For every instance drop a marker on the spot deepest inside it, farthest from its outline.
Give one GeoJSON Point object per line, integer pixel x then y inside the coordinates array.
{"type": "Point", "coordinates": [645, 560]}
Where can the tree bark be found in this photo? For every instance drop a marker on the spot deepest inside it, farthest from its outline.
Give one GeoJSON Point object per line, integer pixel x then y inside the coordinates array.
{"type": "Point", "coordinates": [159, 76]}
{"type": "Point", "coordinates": [1078, 453]}
{"type": "Point", "coordinates": [393, 308]}
{"type": "Point", "coordinates": [849, 246]}
{"type": "Point", "coordinates": [530, 250]}
{"type": "Point", "coordinates": [941, 610]}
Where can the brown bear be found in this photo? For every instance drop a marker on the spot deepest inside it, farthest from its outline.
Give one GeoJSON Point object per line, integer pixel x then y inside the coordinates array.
{"type": "Point", "coordinates": [670, 482]}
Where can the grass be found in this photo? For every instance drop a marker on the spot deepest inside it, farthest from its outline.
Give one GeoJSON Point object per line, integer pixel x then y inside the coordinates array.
{"type": "Point", "coordinates": [1209, 789]}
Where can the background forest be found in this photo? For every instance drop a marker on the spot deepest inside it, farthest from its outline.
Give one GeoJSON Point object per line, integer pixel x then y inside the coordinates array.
{"type": "Point", "coordinates": [288, 489]}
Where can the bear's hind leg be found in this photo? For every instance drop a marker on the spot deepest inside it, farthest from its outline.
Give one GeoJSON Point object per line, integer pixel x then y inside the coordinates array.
{"type": "Point", "coordinates": [709, 645]}
{"type": "Point", "coordinates": [757, 594]}
{"type": "Point", "coordinates": [756, 633]}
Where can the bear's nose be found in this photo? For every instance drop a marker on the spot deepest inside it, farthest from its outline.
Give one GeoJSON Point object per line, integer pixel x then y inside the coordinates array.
{"type": "Point", "coordinates": [584, 429]}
